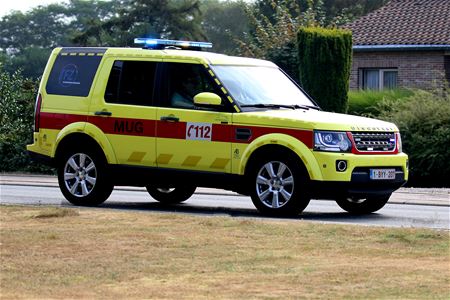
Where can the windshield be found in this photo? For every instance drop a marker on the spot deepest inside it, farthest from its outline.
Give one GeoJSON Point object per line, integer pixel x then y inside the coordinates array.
{"type": "Point", "coordinates": [260, 86]}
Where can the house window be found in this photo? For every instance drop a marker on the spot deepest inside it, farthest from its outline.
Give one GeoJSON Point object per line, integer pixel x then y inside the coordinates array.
{"type": "Point", "coordinates": [378, 79]}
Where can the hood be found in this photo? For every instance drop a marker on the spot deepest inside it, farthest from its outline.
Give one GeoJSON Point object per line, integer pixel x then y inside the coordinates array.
{"type": "Point", "coordinates": [312, 119]}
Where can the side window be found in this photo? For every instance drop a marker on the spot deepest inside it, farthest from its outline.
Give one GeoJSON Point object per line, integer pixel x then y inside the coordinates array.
{"type": "Point", "coordinates": [72, 74]}
{"type": "Point", "coordinates": [186, 81]}
{"type": "Point", "coordinates": [131, 82]}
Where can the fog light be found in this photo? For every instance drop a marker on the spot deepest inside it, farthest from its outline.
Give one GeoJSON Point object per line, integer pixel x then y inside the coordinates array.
{"type": "Point", "coordinates": [341, 165]}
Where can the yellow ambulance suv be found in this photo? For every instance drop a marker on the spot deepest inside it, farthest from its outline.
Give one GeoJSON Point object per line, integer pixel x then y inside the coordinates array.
{"type": "Point", "coordinates": [171, 118]}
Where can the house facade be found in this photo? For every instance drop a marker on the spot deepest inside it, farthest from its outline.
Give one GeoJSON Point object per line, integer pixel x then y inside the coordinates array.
{"type": "Point", "coordinates": [405, 44]}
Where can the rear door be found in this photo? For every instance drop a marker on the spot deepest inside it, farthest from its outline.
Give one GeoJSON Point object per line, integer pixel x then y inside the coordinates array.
{"type": "Point", "coordinates": [124, 109]}
{"type": "Point", "coordinates": [191, 137]}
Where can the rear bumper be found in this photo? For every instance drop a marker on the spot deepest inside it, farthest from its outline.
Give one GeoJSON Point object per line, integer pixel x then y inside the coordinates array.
{"type": "Point", "coordinates": [41, 158]}
{"type": "Point", "coordinates": [360, 186]}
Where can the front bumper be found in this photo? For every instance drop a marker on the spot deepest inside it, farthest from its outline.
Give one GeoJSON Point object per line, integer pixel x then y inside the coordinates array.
{"type": "Point", "coordinates": [355, 180]}
{"type": "Point", "coordinates": [360, 185]}
{"type": "Point", "coordinates": [326, 161]}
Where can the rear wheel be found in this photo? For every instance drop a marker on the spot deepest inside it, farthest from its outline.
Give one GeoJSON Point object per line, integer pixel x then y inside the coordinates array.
{"type": "Point", "coordinates": [279, 186]}
{"type": "Point", "coordinates": [82, 177]}
{"type": "Point", "coordinates": [363, 206]}
{"type": "Point", "coordinates": [171, 195]}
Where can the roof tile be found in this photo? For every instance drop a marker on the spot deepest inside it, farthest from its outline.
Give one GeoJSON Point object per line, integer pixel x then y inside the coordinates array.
{"type": "Point", "coordinates": [404, 22]}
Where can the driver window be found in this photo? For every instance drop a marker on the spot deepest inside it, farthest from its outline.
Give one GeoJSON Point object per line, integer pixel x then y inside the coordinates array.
{"type": "Point", "coordinates": [186, 81]}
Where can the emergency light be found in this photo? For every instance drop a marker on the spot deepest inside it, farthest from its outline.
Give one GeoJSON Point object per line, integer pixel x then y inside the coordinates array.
{"type": "Point", "coordinates": [149, 43]}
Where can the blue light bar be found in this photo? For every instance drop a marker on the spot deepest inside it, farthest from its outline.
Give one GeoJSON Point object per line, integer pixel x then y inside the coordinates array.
{"type": "Point", "coordinates": [150, 43]}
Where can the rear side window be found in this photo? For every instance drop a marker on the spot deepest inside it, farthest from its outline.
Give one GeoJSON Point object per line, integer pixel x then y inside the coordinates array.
{"type": "Point", "coordinates": [72, 73]}
{"type": "Point", "coordinates": [131, 82]}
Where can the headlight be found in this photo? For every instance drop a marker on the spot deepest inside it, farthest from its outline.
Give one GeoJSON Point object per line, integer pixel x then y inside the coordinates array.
{"type": "Point", "coordinates": [334, 141]}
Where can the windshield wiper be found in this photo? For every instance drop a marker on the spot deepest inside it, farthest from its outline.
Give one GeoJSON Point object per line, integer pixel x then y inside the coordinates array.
{"type": "Point", "coordinates": [277, 106]}
{"type": "Point", "coordinates": [312, 107]}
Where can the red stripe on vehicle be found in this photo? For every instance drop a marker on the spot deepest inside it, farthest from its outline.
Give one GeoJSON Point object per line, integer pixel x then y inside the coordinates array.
{"type": "Point", "coordinates": [171, 130]}
{"type": "Point", "coordinates": [164, 129]}
{"type": "Point", "coordinates": [59, 121]}
{"type": "Point", "coordinates": [306, 136]}
{"type": "Point", "coordinates": [125, 126]}
{"type": "Point", "coordinates": [222, 133]}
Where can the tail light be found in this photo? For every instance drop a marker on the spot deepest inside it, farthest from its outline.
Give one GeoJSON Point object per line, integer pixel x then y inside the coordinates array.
{"type": "Point", "coordinates": [399, 143]}
{"type": "Point", "coordinates": [37, 113]}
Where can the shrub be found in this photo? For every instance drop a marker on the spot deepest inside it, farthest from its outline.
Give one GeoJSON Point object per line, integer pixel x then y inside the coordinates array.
{"type": "Point", "coordinates": [424, 122]}
{"type": "Point", "coordinates": [17, 96]}
{"type": "Point", "coordinates": [364, 102]}
{"type": "Point", "coordinates": [325, 60]}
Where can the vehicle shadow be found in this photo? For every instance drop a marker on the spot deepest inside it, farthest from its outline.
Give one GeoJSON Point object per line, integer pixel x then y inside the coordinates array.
{"type": "Point", "coordinates": [186, 208]}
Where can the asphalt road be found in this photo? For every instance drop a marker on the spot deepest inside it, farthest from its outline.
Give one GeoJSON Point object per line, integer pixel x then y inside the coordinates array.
{"type": "Point", "coordinates": [392, 215]}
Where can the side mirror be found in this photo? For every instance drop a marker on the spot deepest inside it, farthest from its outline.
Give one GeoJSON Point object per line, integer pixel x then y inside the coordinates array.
{"type": "Point", "coordinates": [207, 99]}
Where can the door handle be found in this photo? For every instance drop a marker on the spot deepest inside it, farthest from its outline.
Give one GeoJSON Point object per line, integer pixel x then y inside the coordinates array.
{"type": "Point", "coordinates": [169, 119]}
{"type": "Point", "coordinates": [103, 113]}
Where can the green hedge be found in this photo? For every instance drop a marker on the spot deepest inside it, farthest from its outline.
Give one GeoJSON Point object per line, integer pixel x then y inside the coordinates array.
{"type": "Point", "coordinates": [424, 122]}
{"type": "Point", "coordinates": [17, 97]}
{"type": "Point", "coordinates": [325, 61]}
{"type": "Point", "coordinates": [365, 102]}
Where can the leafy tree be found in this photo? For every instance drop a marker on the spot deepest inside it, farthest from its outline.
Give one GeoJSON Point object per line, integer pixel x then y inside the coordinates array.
{"type": "Point", "coordinates": [91, 23]}
{"type": "Point", "coordinates": [276, 40]}
{"type": "Point", "coordinates": [150, 18]}
{"type": "Point", "coordinates": [31, 62]}
{"type": "Point", "coordinates": [339, 12]}
{"type": "Point", "coordinates": [47, 27]}
{"type": "Point", "coordinates": [274, 25]}
{"type": "Point", "coordinates": [224, 22]}
{"type": "Point", "coordinates": [52, 25]}
{"type": "Point", "coordinates": [328, 12]}
{"type": "Point", "coordinates": [44, 28]}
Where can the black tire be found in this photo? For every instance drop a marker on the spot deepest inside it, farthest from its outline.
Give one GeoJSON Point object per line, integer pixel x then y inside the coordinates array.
{"type": "Point", "coordinates": [171, 195]}
{"type": "Point", "coordinates": [83, 181]}
{"type": "Point", "coordinates": [270, 192]}
{"type": "Point", "coordinates": [363, 206]}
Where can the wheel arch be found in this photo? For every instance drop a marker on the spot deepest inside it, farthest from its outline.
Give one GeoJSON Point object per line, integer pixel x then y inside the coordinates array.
{"type": "Point", "coordinates": [266, 144]}
{"type": "Point", "coordinates": [87, 133]}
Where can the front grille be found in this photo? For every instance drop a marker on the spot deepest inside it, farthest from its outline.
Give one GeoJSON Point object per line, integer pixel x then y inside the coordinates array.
{"type": "Point", "coordinates": [374, 141]}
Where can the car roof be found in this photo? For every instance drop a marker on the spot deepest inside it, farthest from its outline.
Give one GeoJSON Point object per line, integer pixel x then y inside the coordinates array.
{"type": "Point", "coordinates": [204, 57]}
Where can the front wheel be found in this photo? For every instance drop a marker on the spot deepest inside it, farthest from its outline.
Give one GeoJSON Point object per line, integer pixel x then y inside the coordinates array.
{"type": "Point", "coordinates": [279, 187]}
{"type": "Point", "coordinates": [171, 195]}
{"type": "Point", "coordinates": [83, 179]}
{"type": "Point", "coordinates": [363, 206]}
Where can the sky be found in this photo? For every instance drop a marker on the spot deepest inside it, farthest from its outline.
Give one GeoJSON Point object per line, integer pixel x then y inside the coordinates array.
{"type": "Point", "coordinates": [23, 5]}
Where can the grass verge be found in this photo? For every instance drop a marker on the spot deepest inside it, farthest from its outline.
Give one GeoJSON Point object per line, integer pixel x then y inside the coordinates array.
{"type": "Point", "coordinates": [112, 254]}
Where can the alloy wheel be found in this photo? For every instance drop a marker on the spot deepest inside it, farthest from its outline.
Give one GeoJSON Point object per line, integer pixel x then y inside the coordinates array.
{"type": "Point", "coordinates": [274, 184]}
{"type": "Point", "coordinates": [80, 175]}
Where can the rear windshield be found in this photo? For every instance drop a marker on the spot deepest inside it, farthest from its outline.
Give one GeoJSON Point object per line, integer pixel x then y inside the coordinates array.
{"type": "Point", "coordinates": [73, 72]}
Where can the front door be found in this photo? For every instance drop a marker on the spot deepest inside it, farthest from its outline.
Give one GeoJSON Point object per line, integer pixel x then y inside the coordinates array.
{"type": "Point", "coordinates": [191, 137]}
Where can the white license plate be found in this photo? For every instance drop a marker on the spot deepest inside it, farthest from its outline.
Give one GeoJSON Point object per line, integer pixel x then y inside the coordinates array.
{"type": "Point", "coordinates": [381, 174]}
